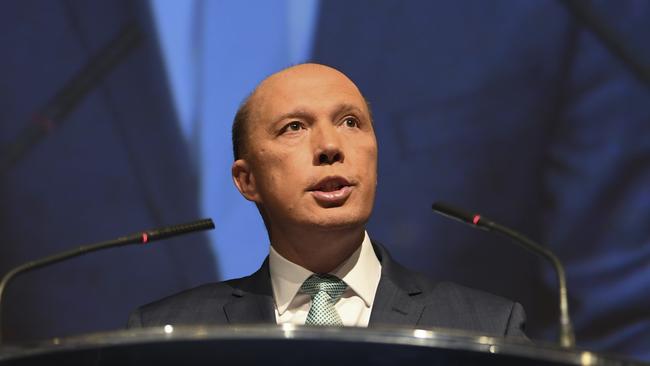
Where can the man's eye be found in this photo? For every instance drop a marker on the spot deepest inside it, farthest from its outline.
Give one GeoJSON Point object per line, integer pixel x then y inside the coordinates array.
{"type": "Point", "coordinates": [292, 127]}
{"type": "Point", "coordinates": [351, 122]}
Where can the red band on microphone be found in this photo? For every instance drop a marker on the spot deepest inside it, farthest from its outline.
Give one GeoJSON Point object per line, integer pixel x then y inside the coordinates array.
{"type": "Point", "coordinates": [476, 219]}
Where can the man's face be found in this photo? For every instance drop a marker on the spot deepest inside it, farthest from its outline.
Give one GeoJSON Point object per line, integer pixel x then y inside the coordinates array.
{"type": "Point", "coordinates": [312, 152]}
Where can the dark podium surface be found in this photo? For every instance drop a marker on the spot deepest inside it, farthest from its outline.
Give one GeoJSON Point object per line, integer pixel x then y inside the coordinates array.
{"type": "Point", "coordinates": [293, 345]}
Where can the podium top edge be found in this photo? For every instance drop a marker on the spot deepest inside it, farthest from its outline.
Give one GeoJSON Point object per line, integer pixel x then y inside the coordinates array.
{"type": "Point", "coordinates": [434, 338]}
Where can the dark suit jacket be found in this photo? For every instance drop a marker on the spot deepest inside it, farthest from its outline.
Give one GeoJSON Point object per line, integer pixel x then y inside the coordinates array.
{"type": "Point", "coordinates": [403, 298]}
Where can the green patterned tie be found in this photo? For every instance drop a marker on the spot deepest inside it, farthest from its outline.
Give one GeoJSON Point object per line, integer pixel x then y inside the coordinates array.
{"type": "Point", "coordinates": [325, 290]}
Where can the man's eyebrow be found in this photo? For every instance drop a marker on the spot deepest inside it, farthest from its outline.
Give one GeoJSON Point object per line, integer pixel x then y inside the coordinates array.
{"type": "Point", "coordinates": [344, 108]}
{"type": "Point", "coordinates": [296, 113]}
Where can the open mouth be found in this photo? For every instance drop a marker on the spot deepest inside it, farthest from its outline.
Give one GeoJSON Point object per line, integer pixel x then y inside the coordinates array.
{"type": "Point", "coordinates": [331, 190]}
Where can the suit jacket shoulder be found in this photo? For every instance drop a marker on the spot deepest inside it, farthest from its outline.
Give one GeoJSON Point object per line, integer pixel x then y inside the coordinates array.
{"type": "Point", "coordinates": [242, 300]}
{"type": "Point", "coordinates": [461, 307]}
{"type": "Point", "coordinates": [405, 297]}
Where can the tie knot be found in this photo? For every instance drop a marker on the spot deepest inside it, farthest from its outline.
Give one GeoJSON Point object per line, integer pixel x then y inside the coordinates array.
{"type": "Point", "coordinates": [332, 285]}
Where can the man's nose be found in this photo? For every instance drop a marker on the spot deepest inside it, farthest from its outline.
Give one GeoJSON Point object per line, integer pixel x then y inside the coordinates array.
{"type": "Point", "coordinates": [328, 147]}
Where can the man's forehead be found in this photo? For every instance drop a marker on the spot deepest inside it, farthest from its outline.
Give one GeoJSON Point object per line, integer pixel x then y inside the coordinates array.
{"type": "Point", "coordinates": [303, 71]}
{"type": "Point", "coordinates": [309, 82]}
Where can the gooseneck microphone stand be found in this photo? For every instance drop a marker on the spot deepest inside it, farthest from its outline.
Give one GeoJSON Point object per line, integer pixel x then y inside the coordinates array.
{"type": "Point", "coordinates": [567, 337]}
{"type": "Point", "coordinates": [137, 238]}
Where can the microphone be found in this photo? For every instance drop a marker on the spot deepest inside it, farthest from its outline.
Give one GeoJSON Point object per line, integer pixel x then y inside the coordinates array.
{"type": "Point", "coordinates": [143, 237]}
{"type": "Point", "coordinates": [567, 337]}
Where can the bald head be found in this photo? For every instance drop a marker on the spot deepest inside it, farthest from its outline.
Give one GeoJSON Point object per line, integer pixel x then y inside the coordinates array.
{"type": "Point", "coordinates": [280, 85]}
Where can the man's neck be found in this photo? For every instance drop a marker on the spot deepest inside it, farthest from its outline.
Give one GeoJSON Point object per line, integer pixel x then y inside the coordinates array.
{"type": "Point", "coordinates": [319, 251]}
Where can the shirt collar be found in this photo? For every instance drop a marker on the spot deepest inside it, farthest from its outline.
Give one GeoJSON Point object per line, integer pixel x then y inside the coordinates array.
{"type": "Point", "coordinates": [286, 279]}
{"type": "Point", "coordinates": [361, 272]}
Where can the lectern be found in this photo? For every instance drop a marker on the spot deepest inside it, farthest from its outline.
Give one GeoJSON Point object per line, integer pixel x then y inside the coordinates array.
{"type": "Point", "coordinates": [293, 345]}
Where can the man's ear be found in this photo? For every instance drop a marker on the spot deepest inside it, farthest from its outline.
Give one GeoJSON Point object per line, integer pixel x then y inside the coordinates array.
{"type": "Point", "coordinates": [244, 180]}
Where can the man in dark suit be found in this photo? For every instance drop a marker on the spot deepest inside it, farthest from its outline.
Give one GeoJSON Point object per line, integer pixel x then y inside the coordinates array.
{"type": "Point", "coordinates": [306, 155]}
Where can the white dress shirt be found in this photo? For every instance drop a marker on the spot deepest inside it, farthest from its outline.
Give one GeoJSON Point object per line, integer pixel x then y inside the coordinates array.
{"type": "Point", "coordinates": [361, 272]}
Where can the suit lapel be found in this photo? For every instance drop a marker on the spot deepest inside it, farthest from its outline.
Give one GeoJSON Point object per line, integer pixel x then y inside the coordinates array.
{"type": "Point", "coordinates": [393, 305]}
{"type": "Point", "coordinates": [397, 300]}
{"type": "Point", "coordinates": [252, 300]}
{"type": "Point", "coordinates": [250, 308]}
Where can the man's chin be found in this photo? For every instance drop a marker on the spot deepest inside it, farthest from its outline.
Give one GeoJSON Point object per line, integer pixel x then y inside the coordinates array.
{"type": "Point", "coordinates": [339, 222]}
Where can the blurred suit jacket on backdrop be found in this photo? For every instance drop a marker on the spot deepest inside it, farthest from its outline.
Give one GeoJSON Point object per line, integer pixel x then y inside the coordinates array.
{"type": "Point", "coordinates": [516, 110]}
{"type": "Point", "coordinates": [117, 165]}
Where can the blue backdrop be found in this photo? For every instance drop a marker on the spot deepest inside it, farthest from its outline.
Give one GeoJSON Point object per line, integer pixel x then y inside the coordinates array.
{"type": "Point", "coordinates": [512, 108]}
